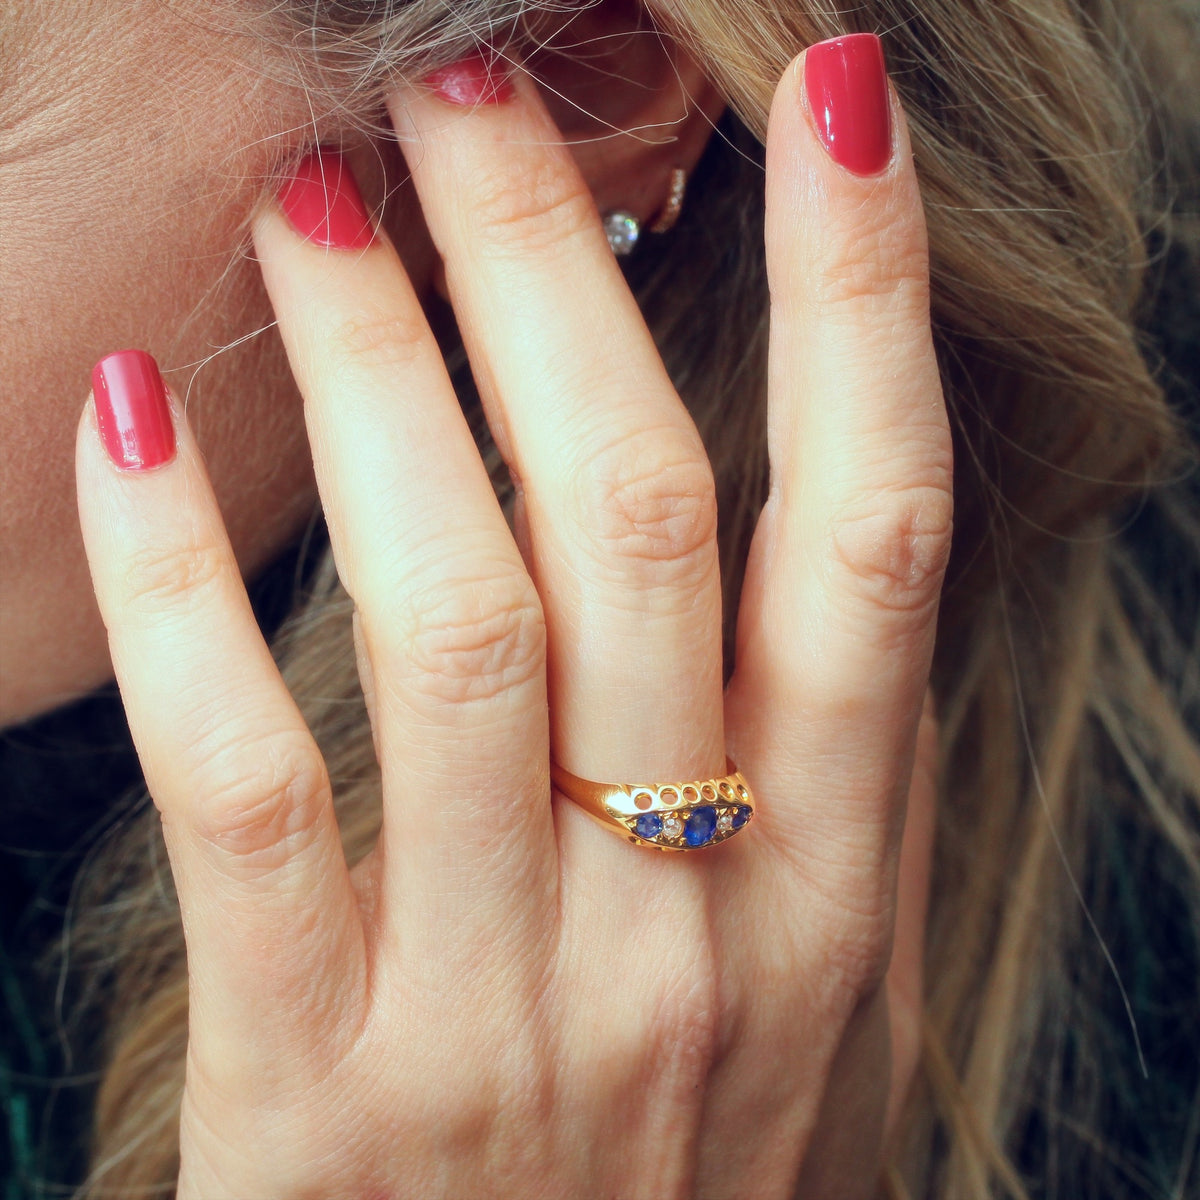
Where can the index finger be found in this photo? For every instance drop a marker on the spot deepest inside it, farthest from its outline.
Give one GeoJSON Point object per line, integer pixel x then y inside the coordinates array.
{"type": "Point", "coordinates": [247, 812]}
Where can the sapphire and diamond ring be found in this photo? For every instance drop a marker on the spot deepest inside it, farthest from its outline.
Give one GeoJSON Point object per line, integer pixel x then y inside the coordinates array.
{"type": "Point", "coordinates": [666, 816]}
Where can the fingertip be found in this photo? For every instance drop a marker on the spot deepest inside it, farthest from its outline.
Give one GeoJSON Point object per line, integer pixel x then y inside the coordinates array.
{"type": "Point", "coordinates": [833, 230]}
{"type": "Point", "coordinates": [87, 431]}
{"type": "Point", "coordinates": [787, 105]}
{"type": "Point", "coordinates": [836, 109]}
{"type": "Point", "coordinates": [89, 458]}
{"type": "Point", "coordinates": [321, 201]}
{"type": "Point", "coordinates": [132, 414]}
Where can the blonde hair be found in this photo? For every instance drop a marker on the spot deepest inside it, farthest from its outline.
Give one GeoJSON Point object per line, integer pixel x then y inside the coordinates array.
{"type": "Point", "coordinates": [1045, 160]}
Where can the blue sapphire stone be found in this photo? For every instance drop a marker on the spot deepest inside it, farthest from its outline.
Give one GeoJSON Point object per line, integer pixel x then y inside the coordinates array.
{"type": "Point", "coordinates": [649, 825]}
{"type": "Point", "coordinates": [700, 826]}
{"type": "Point", "coordinates": [741, 815]}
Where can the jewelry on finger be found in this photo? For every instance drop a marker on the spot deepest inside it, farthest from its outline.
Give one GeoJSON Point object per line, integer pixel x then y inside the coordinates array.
{"type": "Point", "coordinates": [666, 816]}
{"type": "Point", "coordinates": [623, 230]}
{"type": "Point", "coordinates": [669, 213]}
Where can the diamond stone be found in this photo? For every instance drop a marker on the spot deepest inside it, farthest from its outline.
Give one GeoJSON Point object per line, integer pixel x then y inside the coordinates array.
{"type": "Point", "coordinates": [725, 822]}
{"type": "Point", "coordinates": [672, 827]}
{"type": "Point", "coordinates": [623, 231]}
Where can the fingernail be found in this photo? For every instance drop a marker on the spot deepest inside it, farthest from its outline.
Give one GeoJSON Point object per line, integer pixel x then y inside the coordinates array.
{"type": "Point", "coordinates": [322, 201]}
{"type": "Point", "coordinates": [473, 80]}
{"type": "Point", "coordinates": [846, 84]}
{"type": "Point", "coordinates": [132, 410]}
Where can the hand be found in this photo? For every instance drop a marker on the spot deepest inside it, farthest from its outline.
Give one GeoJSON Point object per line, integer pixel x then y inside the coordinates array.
{"type": "Point", "coordinates": [505, 999]}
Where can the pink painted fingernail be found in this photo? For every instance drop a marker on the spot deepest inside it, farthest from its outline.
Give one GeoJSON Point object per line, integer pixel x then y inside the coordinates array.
{"type": "Point", "coordinates": [473, 80]}
{"type": "Point", "coordinates": [846, 83]}
{"type": "Point", "coordinates": [321, 200]}
{"type": "Point", "coordinates": [132, 410]}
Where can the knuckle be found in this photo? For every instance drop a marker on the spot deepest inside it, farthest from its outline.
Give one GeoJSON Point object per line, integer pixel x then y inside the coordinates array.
{"type": "Point", "coordinates": [530, 209]}
{"type": "Point", "coordinates": [652, 514]}
{"type": "Point", "coordinates": [158, 576]}
{"type": "Point", "coordinates": [860, 956]}
{"type": "Point", "coordinates": [468, 1108]}
{"type": "Point", "coordinates": [473, 641]}
{"type": "Point", "coordinates": [384, 339]}
{"type": "Point", "coordinates": [670, 1020]}
{"type": "Point", "coordinates": [269, 802]}
{"type": "Point", "coordinates": [892, 551]}
{"type": "Point", "coordinates": [683, 1029]}
{"type": "Point", "coordinates": [856, 947]}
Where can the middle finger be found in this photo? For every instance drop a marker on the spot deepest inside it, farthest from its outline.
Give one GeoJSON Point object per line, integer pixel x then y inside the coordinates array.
{"type": "Point", "coordinates": [449, 626]}
{"type": "Point", "coordinates": [616, 486]}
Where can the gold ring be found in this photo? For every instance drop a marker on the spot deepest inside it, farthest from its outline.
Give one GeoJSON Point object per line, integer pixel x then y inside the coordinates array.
{"type": "Point", "coordinates": [667, 816]}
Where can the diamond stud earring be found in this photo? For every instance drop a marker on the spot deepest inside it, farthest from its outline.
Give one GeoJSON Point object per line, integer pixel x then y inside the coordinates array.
{"type": "Point", "coordinates": [623, 229]}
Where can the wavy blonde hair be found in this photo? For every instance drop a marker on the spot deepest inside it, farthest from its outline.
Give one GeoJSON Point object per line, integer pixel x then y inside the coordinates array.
{"type": "Point", "coordinates": [1045, 158]}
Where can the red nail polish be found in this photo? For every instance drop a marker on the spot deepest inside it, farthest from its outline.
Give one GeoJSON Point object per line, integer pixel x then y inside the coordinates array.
{"type": "Point", "coordinates": [322, 201]}
{"type": "Point", "coordinates": [846, 83]}
{"type": "Point", "coordinates": [132, 410]}
{"type": "Point", "coordinates": [474, 80]}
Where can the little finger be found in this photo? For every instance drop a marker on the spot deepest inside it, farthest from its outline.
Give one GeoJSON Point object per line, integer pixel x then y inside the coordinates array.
{"type": "Point", "coordinates": [839, 610]}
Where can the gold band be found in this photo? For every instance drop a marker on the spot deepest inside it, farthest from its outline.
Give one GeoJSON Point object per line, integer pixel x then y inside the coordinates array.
{"type": "Point", "coordinates": [667, 816]}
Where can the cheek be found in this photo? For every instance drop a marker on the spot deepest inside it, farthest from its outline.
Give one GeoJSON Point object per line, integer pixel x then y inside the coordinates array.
{"type": "Point", "coordinates": [123, 209]}
{"type": "Point", "coordinates": [122, 221]}
{"type": "Point", "coordinates": [124, 216]}
{"type": "Point", "coordinates": [182, 297]}
{"type": "Point", "coordinates": [104, 252]}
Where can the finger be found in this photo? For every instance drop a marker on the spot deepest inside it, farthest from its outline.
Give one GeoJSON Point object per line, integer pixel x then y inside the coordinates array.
{"type": "Point", "coordinates": [617, 489]}
{"type": "Point", "coordinates": [838, 614]}
{"type": "Point", "coordinates": [271, 923]}
{"type": "Point", "coordinates": [447, 615]}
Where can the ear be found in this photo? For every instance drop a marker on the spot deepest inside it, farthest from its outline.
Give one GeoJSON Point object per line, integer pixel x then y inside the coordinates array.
{"type": "Point", "coordinates": [632, 104]}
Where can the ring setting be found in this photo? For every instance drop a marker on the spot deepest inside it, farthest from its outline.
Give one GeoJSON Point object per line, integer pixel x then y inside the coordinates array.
{"type": "Point", "coordinates": [665, 816]}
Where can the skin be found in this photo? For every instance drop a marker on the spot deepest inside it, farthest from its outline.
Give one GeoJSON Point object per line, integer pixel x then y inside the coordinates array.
{"type": "Point", "coordinates": [150, 233]}
{"type": "Point", "coordinates": [147, 231]}
{"type": "Point", "coordinates": [124, 223]}
{"type": "Point", "coordinates": [463, 1015]}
